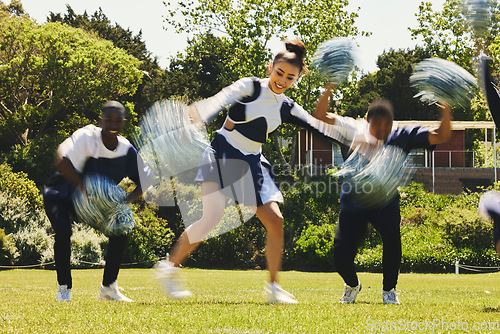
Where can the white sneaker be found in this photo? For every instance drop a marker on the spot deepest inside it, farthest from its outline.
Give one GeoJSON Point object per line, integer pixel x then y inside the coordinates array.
{"type": "Point", "coordinates": [63, 294]}
{"type": "Point", "coordinates": [390, 297]}
{"type": "Point", "coordinates": [276, 294]}
{"type": "Point", "coordinates": [168, 275]}
{"type": "Point", "coordinates": [350, 294]}
{"type": "Point", "coordinates": [112, 292]}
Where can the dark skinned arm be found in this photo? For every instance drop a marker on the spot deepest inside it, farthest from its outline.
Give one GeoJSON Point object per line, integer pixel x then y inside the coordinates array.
{"type": "Point", "coordinates": [136, 193]}
{"type": "Point", "coordinates": [321, 110]}
{"type": "Point", "coordinates": [66, 168]}
{"type": "Point", "coordinates": [443, 133]}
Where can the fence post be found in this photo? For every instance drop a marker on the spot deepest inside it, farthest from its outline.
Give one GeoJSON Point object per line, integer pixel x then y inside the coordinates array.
{"type": "Point", "coordinates": [495, 152]}
{"type": "Point", "coordinates": [433, 175]}
{"type": "Point", "coordinates": [457, 268]}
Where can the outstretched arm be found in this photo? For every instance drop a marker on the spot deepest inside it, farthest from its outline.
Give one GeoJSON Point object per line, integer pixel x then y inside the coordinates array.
{"type": "Point", "coordinates": [207, 109]}
{"type": "Point", "coordinates": [321, 110]}
{"type": "Point", "coordinates": [443, 133]}
{"type": "Point", "coordinates": [490, 91]}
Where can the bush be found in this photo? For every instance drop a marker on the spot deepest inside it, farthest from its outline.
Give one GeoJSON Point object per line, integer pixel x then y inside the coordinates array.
{"type": "Point", "coordinates": [425, 250]}
{"type": "Point", "coordinates": [36, 159]}
{"type": "Point", "coordinates": [17, 185]}
{"type": "Point", "coordinates": [315, 246]}
{"type": "Point", "coordinates": [28, 227]}
{"type": "Point", "coordinates": [464, 227]}
{"type": "Point", "coordinates": [87, 246]}
{"type": "Point", "coordinates": [242, 247]}
{"type": "Point", "coordinates": [436, 231]}
{"type": "Point", "coordinates": [150, 239]}
{"type": "Point", "coordinates": [8, 251]}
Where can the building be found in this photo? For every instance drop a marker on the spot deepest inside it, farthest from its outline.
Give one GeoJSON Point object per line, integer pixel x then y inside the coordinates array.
{"type": "Point", "coordinates": [448, 169]}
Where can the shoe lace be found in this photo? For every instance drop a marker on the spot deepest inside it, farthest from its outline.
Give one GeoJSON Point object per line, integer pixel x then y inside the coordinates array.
{"type": "Point", "coordinates": [349, 291]}
{"type": "Point", "coordinates": [392, 295]}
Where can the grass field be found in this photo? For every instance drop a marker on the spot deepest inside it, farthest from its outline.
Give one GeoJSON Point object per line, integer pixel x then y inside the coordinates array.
{"type": "Point", "coordinates": [233, 302]}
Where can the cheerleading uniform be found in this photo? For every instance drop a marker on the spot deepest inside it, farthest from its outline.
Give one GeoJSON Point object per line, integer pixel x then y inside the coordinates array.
{"type": "Point", "coordinates": [353, 219]}
{"type": "Point", "coordinates": [489, 205]}
{"type": "Point", "coordinates": [88, 155]}
{"type": "Point", "coordinates": [256, 111]}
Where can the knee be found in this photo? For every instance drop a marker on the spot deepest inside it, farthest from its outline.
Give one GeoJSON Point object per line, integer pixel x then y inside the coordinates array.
{"type": "Point", "coordinates": [392, 241]}
{"type": "Point", "coordinates": [63, 234]}
{"type": "Point", "coordinates": [118, 239]}
{"type": "Point", "coordinates": [274, 225]}
{"type": "Point", "coordinates": [213, 213]}
{"type": "Point", "coordinates": [343, 253]}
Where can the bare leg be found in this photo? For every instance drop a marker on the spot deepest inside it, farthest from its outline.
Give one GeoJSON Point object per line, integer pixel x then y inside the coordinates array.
{"type": "Point", "coordinates": [271, 217]}
{"type": "Point", "coordinates": [213, 209]}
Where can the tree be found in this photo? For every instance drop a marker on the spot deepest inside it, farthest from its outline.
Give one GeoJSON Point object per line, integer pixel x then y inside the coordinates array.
{"type": "Point", "coordinates": [54, 78]}
{"type": "Point", "coordinates": [15, 8]}
{"type": "Point", "coordinates": [248, 27]}
{"type": "Point", "coordinates": [98, 23]}
{"type": "Point", "coordinates": [391, 81]}
{"type": "Point", "coordinates": [449, 34]}
{"type": "Point", "coordinates": [200, 71]}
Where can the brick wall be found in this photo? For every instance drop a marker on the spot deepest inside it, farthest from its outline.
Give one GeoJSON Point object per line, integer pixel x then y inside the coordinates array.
{"type": "Point", "coordinates": [457, 145]}
{"type": "Point", "coordinates": [454, 180]}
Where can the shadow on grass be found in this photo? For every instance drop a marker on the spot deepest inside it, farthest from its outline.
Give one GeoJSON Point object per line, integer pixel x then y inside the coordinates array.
{"type": "Point", "coordinates": [204, 302]}
{"type": "Point", "coordinates": [491, 309]}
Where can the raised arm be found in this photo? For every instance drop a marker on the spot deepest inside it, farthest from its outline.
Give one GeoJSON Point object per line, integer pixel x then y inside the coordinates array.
{"type": "Point", "coordinates": [490, 91]}
{"type": "Point", "coordinates": [443, 133]}
{"type": "Point", "coordinates": [321, 110]}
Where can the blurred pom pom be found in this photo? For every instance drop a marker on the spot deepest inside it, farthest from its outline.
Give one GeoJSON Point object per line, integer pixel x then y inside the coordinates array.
{"type": "Point", "coordinates": [373, 183]}
{"type": "Point", "coordinates": [334, 59]}
{"type": "Point", "coordinates": [438, 80]}
{"type": "Point", "coordinates": [489, 202]}
{"type": "Point", "coordinates": [169, 142]}
{"type": "Point", "coordinates": [478, 14]}
{"type": "Point", "coordinates": [103, 208]}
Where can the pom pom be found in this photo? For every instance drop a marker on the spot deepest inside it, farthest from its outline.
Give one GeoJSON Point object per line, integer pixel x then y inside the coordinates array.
{"type": "Point", "coordinates": [438, 80]}
{"type": "Point", "coordinates": [373, 183]}
{"type": "Point", "coordinates": [103, 208]}
{"type": "Point", "coordinates": [489, 202]}
{"type": "Point", "coordinates": [478, 14]}
{"type": "Point", "coordinates": [334, 59]}
{"type": "Point", "coordinates": [168, 142]}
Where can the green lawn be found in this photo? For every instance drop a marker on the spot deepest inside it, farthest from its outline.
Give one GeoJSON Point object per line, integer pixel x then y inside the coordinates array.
{"type": "Point", "coordinates": [233, 302]}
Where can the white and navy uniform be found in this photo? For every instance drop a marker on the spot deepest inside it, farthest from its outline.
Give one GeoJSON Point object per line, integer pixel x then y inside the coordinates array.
{"type": "Point", "coordinates": [87, 153]}
{"type": "Point", "coordinates": [256, 111]}
{"type": "Point", "coordinates": [354, 218]}
{"type": "Point", "coordinates": [489, 205]}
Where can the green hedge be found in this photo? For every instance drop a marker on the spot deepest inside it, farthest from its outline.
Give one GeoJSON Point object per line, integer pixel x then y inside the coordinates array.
{"type": "Point", "coordinates": [436, 230]}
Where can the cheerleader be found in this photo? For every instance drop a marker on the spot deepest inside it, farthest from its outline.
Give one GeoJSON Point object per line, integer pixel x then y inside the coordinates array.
{"type": "Point", "coordinates": [91, 150]}
{"type": "Point", "coordinates": [257, 108]}
{"type": "Point", "coordinates": [367, 138]}
{"type": "Point", "coordinates": [489, 205]}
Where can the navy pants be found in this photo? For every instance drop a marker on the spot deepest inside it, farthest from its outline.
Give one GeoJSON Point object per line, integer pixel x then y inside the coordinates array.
{"type": "Point", "coordinates": [496, 225]}
{"type": "Point", "coordinates": [59, 211]}
{"type": "Point", "coordinates": [350, 232]}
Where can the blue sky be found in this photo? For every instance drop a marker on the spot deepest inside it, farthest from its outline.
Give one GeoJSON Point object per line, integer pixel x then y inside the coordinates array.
{"type": "Point", "coordinates": [388, 20]}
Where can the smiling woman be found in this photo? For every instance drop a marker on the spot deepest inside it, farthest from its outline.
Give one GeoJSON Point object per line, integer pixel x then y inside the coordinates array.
{"type": "Point", "coordinates": [287, 67]}
{"type": "Point", "coordinates": [257, 107]}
